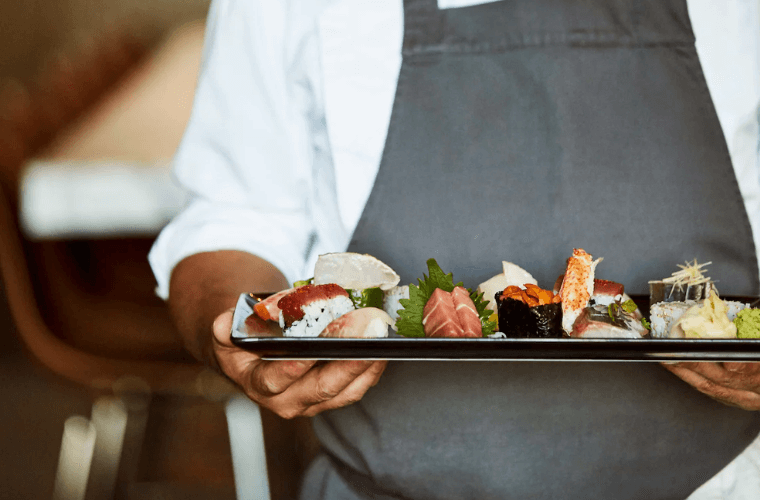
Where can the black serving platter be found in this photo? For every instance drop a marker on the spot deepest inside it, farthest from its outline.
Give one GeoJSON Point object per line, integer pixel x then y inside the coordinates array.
{"type": "Point", "coordinates": [491, 349]}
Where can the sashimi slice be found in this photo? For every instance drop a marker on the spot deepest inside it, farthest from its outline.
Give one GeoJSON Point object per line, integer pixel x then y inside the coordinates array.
{"type": "Point", "coordinates": [267, 309]}
{"type": "Point", "coordinates": [466, 313]}
{"type": "Point", "coordinates": [439, 317]}
{"type": "Point", "coordinates": [354, 271]}
{"type": "Point", "coordinates": [367, 322]}
{"type": "Point", "coordinates": [599, 322]}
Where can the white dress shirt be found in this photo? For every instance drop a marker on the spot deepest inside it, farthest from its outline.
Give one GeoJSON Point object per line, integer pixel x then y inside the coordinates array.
{"type": "Point", "coordinates": [282, 80]}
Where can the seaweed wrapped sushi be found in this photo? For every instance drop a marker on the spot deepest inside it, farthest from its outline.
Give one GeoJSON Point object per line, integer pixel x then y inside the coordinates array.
{"type": "Point", "coordinates": [529, 313]}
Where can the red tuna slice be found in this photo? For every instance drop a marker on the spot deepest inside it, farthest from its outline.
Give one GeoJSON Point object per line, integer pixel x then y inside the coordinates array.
{"type": "Point", "coordinates": [467, 313]}
{"type": "Point", "coordinates": [439, 316]}
{"type": "Point", "coordinates": [451, 315]}
{"type": "Point", "coordinates": [291, 304]}
{"type": "Point", "coordinates": [267, 309]}
{"type": "Point", "coordinates": [606, 287]}
{"type": "Point", "coordinates": [601, 287]}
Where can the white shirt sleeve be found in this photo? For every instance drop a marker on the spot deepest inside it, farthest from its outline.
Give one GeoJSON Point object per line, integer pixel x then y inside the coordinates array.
{"type": "Point", "coordinates": [246, 157]}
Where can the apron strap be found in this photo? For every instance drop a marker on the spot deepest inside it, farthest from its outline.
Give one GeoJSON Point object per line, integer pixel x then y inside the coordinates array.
{"type": "Point", "coordinates": [423, 24]}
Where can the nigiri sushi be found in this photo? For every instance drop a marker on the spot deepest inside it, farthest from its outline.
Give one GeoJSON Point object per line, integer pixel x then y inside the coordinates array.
{"type": "Point", "coordinates": [307, 310]}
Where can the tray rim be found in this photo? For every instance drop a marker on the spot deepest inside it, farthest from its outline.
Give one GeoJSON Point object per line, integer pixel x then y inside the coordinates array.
{"type": "Point", "coordinates": [491, 349]}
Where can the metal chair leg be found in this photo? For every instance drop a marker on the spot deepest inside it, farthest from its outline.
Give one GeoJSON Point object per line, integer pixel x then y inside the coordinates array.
{"type": "Point", "coordinates": [247, 445]}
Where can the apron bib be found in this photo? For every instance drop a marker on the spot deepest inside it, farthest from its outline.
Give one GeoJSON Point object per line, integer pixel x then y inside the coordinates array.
{"type": "Point", "coordinates": [522, 129]}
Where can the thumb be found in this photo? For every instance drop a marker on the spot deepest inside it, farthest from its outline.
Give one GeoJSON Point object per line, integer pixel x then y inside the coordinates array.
{"type": "Point", "coordinates": [222, 328]}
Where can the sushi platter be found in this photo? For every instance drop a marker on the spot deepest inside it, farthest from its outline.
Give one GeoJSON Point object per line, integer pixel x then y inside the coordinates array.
{"type": "Point", "coordinates": [353, 308]}
{"type": "Point", "coordinates": [489, 349]}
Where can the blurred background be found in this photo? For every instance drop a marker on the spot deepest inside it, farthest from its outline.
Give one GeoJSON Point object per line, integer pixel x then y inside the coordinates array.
{"type": "Point", "coordinates": [94, 97]}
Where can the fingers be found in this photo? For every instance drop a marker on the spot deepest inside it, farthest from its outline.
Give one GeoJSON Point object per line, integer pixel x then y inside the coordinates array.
{"type": "Point", "coordinates": [293, 388]}
{"type": "Point", "coordinates": [743, 368]}
{"type": "Point", "coordinates": [222, 327]}
{"type": "Point", "coordinates": [715, 381]}
{"type": "Point", "coordinates": [353, 392]}
{"type": "Point", "coordinates": [258, 379]}
{"type": "Point", "coordinates": [272, 378]}
{"type": "Point", "coordinates": [322, 384]}
{"type": "Point", "coordinates": [743, 376]}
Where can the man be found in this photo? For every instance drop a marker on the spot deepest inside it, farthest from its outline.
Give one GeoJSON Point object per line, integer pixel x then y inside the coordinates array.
{"type": "Point", "coordinates": [518, 130]}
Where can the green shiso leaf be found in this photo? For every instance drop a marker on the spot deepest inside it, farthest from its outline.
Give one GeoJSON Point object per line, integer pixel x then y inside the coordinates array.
{"type": "Point", "coordinates": [646, 324]}
{"type": "Point", "coordinates": [301, 283]}
{"type": "Point", "coordinates": [489, 327]}
{"type": "Point", "coordinates": [409, 323]}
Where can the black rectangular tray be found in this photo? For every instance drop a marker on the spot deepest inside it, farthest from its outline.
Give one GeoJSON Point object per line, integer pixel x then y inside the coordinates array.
{"type": "Point", "coordinates": [488, 349]}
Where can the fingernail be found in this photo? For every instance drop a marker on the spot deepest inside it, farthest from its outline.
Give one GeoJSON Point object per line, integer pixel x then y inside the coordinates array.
{"type": "Point", "coordinates": [671, 363]}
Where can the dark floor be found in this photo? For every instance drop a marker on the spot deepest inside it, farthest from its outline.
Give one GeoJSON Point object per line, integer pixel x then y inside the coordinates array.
{"type": "Point", "coordinates": [185, 453]}
{"type": "Point", "coordinates": [31, 425]}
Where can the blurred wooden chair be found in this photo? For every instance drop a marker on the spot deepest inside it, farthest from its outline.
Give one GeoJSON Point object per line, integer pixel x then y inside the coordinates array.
{"type": "Point", "coordinates": [85, 309]}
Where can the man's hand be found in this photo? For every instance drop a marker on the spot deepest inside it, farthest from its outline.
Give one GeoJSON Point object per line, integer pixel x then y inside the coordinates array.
{"type": "Point", "coordinates": [205, 284]}
{"type": "Point", "coordinates": [293, 388]}
{"type": "Point", "coordinates": [735, 384]}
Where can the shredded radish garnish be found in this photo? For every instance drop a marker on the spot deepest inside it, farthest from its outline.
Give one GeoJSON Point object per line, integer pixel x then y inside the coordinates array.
{"type": "Point", "coordinates": [690, 274]}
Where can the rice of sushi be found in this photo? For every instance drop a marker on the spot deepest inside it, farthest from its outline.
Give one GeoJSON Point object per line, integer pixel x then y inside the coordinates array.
{"type": "Point", "coordinates": [734, 307]}
{"type": "Point", "coordinates": [317, 314]}
{"type": "Point", "coordinates": [391, 303]}
{"type": "Point", "coordinates": [663, 315]}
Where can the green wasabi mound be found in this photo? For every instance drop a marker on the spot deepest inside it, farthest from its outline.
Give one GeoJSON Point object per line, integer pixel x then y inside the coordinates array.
{"type": "Point", "coordinates": [748, 324]}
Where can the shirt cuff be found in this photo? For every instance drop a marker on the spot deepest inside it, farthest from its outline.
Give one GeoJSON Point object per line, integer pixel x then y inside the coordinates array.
{"type": "Point", "coordinates": [282, 239]}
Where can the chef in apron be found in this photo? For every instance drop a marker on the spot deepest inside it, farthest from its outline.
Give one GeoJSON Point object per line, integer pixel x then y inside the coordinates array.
{"type": "Point", "coordinates": [521, 129]}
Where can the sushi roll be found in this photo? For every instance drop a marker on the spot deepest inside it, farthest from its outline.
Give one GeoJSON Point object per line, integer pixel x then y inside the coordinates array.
{"type": "Point", "coordinates": [689, 283]}
{"type": "Point", "coordinates": [307, 310]}
{"type": "Point", "coordinates": [529, 313]}
{"type": "Point", "coordinates": [663, 315]}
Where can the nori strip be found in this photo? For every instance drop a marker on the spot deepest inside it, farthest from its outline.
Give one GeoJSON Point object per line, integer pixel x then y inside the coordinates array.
{"type": "Point", "coordinates": [548, 320]}
{"type": "Point", "coordinates": [518, 320]}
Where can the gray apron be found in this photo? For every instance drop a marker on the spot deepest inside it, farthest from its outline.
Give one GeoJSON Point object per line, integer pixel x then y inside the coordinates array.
{"type": "Point", "coordinates": [522, 129]}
